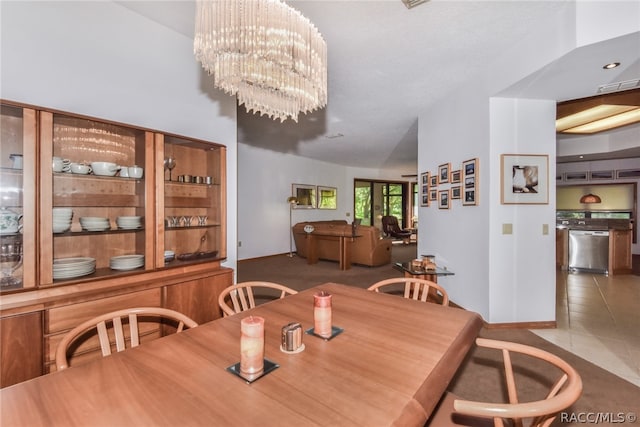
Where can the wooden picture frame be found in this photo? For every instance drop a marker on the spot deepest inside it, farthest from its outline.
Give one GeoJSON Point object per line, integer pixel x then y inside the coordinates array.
{"type": "Point", "coordinates": [327, 197]}
{"type": "Point", "coordinates": [524, 179]}
{"type": "Point", "coordinates": [444, 199]}
{"type": "Point", "coordinates": [443, 173]}
{"type": "Point", "coordinates": [469, 181]}
{"type": "Point", "coordinates": [456, 192]}
{"type": "Point", "coordinates": [424, 189]}
{"type": "Point", "coordinates": [433, 194]}
{"type": "Point", "coordinates": [469, 198]}
{"type": "Point", "coordinates": [433, 180]}
{"type": "Point", "coordinates": [456, 176]}
{"type": "Point", "coordinates": [305, 194]}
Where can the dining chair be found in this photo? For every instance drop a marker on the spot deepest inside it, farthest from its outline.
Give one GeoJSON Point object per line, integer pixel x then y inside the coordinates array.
{"type": "Point", "coordinates": [455, 411]}
{"type": "Point", "coordinates": [113, 321]}
{"type": "Point", "coordinates": [243, 297]}
{"type": "Point", "coordinates": [413, 288]}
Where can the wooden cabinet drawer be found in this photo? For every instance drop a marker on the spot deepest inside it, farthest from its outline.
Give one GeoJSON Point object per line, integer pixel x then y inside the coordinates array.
{"type": "Point", "coordinates": [67, 317]}
{"type": "Point", "coordinates": [60, 320]}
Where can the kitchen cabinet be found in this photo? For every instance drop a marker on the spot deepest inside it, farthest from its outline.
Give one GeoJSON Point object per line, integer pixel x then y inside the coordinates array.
{"type": "Point", "coordinates": [94, 240]}
{"type": "Point", "coordinates": [20, 348]}
{"type": "Point", "coordinates": [620, 256]}
{"type": "Point", "coordinates": [17, 197]}
{"type": "Point", "coordinates": [562, 248]}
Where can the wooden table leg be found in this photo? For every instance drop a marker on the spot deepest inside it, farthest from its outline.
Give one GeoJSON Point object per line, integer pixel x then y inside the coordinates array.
{"type": "Point", "coordinates": [345, 253]}
{"type": "Point", "coordinates": [312, 249]}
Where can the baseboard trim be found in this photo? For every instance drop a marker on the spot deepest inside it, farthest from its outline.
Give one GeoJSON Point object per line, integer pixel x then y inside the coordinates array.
{"type": "Point", "coordinates": [522, 325]}
{"type": "Point", "coordinates": [268, 256]}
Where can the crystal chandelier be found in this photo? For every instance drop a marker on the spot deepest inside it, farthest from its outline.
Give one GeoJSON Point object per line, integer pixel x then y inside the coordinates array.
{"type": "Point", "coordinates": [265, 52]}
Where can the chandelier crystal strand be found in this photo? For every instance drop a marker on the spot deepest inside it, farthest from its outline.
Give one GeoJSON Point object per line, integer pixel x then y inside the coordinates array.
{"type": "Point", "coordinates": [264, 52]}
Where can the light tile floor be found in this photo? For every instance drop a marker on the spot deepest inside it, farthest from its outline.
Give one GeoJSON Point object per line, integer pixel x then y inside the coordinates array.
{"type": "Point", "coordinates": [598, 318]}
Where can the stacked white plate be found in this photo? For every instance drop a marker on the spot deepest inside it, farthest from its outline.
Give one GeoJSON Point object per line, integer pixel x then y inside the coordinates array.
{"type": "Point", "coordinates": [62, 219]}
{"type": "Point", "coordinates": [94, 223]}
{"type": "Point", "coordinates": [129, 222]}
{"type": "Point", "coordinates": [66, 268]}
{"type": "Point", "coordinates": [126, 262]}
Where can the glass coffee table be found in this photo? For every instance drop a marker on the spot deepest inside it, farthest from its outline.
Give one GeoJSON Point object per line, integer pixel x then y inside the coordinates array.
{"type": "Point", "coordinates": [411, 271]}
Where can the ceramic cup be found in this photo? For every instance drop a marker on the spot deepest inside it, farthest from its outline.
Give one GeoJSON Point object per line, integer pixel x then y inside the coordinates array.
{"type": "Point", "coordinates": [135, 171]}
{"type": "Point", "coordinates": [61, 165]}
{"type": "Point", "coordinates": [16, 159]}
{"type": "Point", "coordinates": [80, 168]}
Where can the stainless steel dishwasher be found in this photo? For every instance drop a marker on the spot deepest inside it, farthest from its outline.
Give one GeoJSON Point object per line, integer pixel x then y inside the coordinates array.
{"type": "Point", "coordinates": [589, 250]}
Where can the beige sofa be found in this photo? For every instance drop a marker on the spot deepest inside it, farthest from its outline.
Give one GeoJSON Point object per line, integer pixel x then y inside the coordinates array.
{"type": "Point", "coordinates": [367, 249]}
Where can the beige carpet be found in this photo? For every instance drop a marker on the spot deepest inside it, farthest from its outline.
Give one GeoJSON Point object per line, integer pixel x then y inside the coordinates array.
{"type": "Point", "coordinates": [480, 376]}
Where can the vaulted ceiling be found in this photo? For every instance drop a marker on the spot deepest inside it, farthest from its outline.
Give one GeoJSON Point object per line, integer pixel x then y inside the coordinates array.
{"type": "Point", "coordinates": [387, 63]}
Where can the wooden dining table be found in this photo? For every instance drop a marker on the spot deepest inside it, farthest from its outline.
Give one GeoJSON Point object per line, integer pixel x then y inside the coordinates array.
{"type": "Point", "coordinates": [388, 367]}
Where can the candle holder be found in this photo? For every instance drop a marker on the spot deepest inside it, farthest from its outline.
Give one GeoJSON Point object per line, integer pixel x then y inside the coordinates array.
{"type": "Point", "coordinates": [335, 330]}
{"type": "Point", "coordinates": [268, 366]}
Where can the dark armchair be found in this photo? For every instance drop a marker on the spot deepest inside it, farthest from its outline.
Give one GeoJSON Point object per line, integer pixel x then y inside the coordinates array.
{"type": "Point", "coordinates": [390, 227]}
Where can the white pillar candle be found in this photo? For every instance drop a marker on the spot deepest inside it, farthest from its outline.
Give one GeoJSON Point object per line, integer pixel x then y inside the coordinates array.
{"type": "Point", "coordinates": [252, 346]}
{"type": "Point", "coordinates": [322, 314]}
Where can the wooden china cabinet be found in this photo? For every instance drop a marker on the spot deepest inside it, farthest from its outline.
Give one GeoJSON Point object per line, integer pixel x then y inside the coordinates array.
{"type": "Point", "coordinates": [95, 242]}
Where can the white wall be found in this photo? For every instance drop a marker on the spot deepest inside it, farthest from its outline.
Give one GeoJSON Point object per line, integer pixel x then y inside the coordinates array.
{"type": "Point", "coordinates": [102, 60]}
{"type": "Point", "coordinates": [522, 264]}
{"type": "Point", "coordinates": [505, 277]}
{"type": "Point", "coordinates": [264, 183]}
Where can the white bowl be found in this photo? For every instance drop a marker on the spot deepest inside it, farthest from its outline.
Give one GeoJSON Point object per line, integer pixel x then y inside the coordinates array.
{"type": "Point", "coordinates": [104, 168]}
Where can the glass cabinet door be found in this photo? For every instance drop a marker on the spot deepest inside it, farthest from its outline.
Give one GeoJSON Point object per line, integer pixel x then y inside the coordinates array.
{"type": "Point", "coordinates": [95, 191]}
{"type": "Point", "coordinates": [17, 197]}
{"type": "Point", "coordinates": [191, 209]}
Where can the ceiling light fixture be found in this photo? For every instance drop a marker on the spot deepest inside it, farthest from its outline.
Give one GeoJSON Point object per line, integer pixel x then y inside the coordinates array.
{"type": "Point", "coordinates": [264, 52]}
{"type": "Point", "coordinates": [598, 113]}
{"type": "Point", "coordinates": [611, 65]}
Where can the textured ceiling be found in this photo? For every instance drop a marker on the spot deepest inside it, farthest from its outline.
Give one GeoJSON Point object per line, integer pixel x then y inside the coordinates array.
{"type": "Point", "coordinates": [387, 63]}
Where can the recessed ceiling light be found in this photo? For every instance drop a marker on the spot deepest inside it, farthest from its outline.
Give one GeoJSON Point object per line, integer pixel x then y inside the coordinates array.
{"type": "Point", "coordinates": [611, 65]}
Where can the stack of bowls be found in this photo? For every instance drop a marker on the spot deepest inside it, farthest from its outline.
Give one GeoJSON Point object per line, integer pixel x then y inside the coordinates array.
{"type": "Point", "coordinates": [169, 256]}
{"type": "Point", "coordinates": [62, 219]}
{"type": "Point", "coordinates": [94, 223]}
{"type": "Point", "coordinates": [129, 222]}
{"type": "Point", "coordinates": [126, 262]}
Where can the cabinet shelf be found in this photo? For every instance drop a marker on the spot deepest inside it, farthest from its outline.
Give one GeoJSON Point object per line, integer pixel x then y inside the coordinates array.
{"type": "Point", "coordinates": [95, 233]}
{"type": "Point", "coordinates": [192, 227]}
{"type": "Point", "coordinates": [99, 274]}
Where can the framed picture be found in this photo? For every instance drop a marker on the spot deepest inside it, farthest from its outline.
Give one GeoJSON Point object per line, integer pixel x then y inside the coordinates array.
{"type": "Point", "coordinates": [469, 181]}
{"type": "Point", "coordinates": [306, 195]}
{"type": "Point", "coordinates": [455, 192]}
{"type": "Point", "coordinates": [469, 167]}
{"type": "Point", "coordinates": [455, 176]}
{"type": "Point", "coordinates": [424, 189]}
{"type": "Point", "coordinates": [469, 197]}
{"type": "Point", "coordinates": [327, 197]}
{"type": "Point", "coordinates": [433, 195]}
{"type": "Point", "coordinates": [443, 173]}
{"type": "Point", "coordinates": [524, 179]}
{"type": "Point", "coordinates": [443, 199]}
{"type": "Point", "coordinates": [433, 180]}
